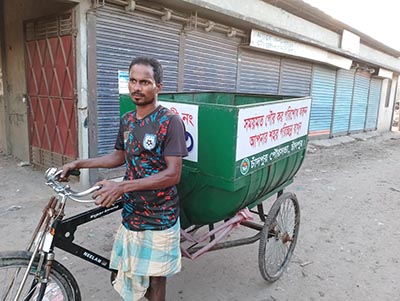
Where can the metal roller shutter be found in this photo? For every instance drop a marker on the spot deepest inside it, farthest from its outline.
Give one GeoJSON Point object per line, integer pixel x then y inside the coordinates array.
{"type": "Point", "coordinates": [343, 99]}
{"type": "Point", "coordinates": [258, 72]}
{"type": "Point", "coordinates": [295, 77]}
{"type": "Point", "coordinates": [210, 61]}
{"type": "Point", "coordinates": [373, 104]}
{"type": "Point", "coordinates": [360, 101]}
{"type": "Point", "coordinates": [322, 93]}
{"type": "Point", "coordinates": [121, 36]}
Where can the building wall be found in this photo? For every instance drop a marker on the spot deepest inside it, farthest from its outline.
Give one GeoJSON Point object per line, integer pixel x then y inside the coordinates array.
{"type": "Point", "coordinates": [15, 12]}
{"type": "Point", "coordinates": [379, 58]}
{"type": "Point", "coordinates": [271, 17]}
{"type": "Point", "coordinates": [3, 129]}
{"type": "Point", "coordinates": [278, 20]}
{"type": "Point", "coordinates": [385, 113]}
{"type": "Point", "coordinates": [14, 80]}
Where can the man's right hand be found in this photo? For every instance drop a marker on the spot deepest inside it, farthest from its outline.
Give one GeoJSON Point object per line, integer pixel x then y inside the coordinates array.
{"type": "Point", "coordinates": [66, 168]}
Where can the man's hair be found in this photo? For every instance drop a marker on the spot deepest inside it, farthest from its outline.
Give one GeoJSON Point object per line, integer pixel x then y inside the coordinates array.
{"type": "Point", "coordinates": [152, 62]}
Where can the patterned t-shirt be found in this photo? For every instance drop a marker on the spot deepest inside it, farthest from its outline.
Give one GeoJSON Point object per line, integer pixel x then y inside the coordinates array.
{"type": "Point", "coordinates": [146, 143]}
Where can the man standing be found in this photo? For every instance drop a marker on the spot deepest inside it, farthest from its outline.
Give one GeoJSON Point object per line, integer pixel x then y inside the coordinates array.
{"type": "Point", "coordinates": [151, 143]}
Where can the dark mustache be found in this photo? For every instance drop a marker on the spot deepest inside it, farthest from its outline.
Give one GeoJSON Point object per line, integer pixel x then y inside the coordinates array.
{"type": "Point", "coordinates": [137, 94]}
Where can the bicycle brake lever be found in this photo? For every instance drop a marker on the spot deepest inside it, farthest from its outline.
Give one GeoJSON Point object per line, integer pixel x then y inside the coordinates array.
{"type": "Point", "coordinates": [51, 173]}
{"type": "Point", "coordinates": [97, 187]}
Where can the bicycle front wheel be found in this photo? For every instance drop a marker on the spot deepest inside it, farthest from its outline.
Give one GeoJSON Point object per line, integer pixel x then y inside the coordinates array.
{"type": "Point", "coordinates": [61, 286]}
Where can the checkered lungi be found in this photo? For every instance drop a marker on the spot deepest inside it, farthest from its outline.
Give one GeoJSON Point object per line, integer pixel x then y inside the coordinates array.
{"type": "Point", "coordinates": [137, 255]}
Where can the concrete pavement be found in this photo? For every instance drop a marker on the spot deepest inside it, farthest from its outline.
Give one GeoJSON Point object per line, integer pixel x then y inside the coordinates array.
{"type": "Point", "coordinates": [328, 142]}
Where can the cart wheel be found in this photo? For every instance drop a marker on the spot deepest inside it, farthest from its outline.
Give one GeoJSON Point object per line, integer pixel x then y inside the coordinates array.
{"type": "Point", "coordinates": [279, 236]}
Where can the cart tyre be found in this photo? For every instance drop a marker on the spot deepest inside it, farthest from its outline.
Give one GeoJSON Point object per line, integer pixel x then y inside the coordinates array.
{"type": "Point", "coordinates": [278, 236]}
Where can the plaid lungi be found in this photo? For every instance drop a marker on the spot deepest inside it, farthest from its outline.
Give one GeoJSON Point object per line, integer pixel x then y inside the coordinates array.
{"type": "Point", "coordinates": [137, 255]}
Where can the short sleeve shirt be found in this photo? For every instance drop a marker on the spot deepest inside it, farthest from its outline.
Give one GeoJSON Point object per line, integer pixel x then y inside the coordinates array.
{"type": "Point", "coordinates": [146, 142]}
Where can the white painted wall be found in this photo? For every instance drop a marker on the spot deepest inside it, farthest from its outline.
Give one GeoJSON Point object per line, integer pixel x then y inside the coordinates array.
{"type": "Point", "coordinates": [270, 17]}
{"type": "Point", "coordinates": [381, 59]}
{"type": "Point", "coordinates": [385, 113]}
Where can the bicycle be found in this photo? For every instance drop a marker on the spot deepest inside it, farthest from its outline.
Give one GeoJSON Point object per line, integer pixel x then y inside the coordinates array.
{"type": "Point", "coordinates": [34, 274]}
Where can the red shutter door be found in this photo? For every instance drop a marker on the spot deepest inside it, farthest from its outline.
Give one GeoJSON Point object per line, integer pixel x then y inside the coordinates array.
{"type": "Point", "coordinates": [51, 87]}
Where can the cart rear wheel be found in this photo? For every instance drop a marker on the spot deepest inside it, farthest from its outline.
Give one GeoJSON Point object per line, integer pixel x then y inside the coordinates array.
{"type": "Point", "coordinates": [279, 236]}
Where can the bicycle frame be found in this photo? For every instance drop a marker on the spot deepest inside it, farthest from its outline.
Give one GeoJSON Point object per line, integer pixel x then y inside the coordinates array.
{"type": "Point", "coordinates": [55, 231]}
{"type": "Point", "coordinates": [64, 234]}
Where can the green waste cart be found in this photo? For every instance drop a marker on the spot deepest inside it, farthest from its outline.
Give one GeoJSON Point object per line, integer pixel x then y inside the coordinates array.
{"type": "Point", "coordinates": [243, 149]}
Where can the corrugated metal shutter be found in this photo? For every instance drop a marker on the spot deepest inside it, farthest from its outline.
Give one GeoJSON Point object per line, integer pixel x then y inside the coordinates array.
{"type": "Point", "coordinates": [258, 72]}
{"type": "Point", "coordinates": [210, 61]}
{"type": "Point", "coordinates": [373, 104]}
{"type": "Point", "coordinates": [295, 77]}
{"type": "Point", "coordinates": [322, 93]}
{"type": "Point", "coordinates": [360, 101]}
{"type": "Point", "coordinates": [343, 99]}
{"type": "Point", "coordinates": [121, 36]}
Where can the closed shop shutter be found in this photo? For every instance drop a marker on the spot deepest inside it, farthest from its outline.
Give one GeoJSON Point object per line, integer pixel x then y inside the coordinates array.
{"type": "Point", "coordinates": [295, 78]}
{"type": "Point", "coordinates": [51, 90]}
{"type": "Point", "coordinates": [121, 36]}
{"type": "Point", "coordinates": [343, 100]}
{"type": "Point", "coordinates": [210, 61]}
{"type": "Point", "coordinates": [373, 104]}
{"type": "Point", "coordinates": [360, 101]}
{"type": "Point", "coordinates": [258, 72]}
{"type": "Point", "coordinates": [322, 93]}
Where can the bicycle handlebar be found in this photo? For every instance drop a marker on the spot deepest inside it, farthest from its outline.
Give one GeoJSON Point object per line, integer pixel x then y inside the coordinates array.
{"type": "Point", "coordinates": [52, 175]}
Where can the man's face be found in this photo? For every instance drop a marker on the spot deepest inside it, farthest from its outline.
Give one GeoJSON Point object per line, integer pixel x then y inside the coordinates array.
{"type": "Point", "coordinates": [142, 85]}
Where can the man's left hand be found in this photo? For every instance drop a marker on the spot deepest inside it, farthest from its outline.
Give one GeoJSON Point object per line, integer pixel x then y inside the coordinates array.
{"type": "Point", "coordinates": [107, 194]}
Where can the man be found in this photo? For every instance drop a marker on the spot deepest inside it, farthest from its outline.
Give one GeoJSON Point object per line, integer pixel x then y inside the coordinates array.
{"type": "Point", "coordinates": [151, 143]}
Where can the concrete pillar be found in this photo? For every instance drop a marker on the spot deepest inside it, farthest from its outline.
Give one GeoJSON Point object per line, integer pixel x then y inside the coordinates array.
{"type": "Point", "coordinates": [82, 85]}
{"type": "Point", "coordinates": [3, 105]}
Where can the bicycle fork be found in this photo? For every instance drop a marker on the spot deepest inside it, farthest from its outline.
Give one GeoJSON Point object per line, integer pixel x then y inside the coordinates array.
{"type": "Point", "coordinates": [43, 280]}
{"type": "Point", "coordinates": [42, 239]}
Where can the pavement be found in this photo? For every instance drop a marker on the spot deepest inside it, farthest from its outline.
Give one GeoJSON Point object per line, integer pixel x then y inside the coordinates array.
{"type": "Point", "coordinates": [329, 142]}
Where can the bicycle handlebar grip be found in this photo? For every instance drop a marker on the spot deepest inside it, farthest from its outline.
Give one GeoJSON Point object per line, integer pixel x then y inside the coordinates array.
{"type": "Point", "coordinates": [75, 172]}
